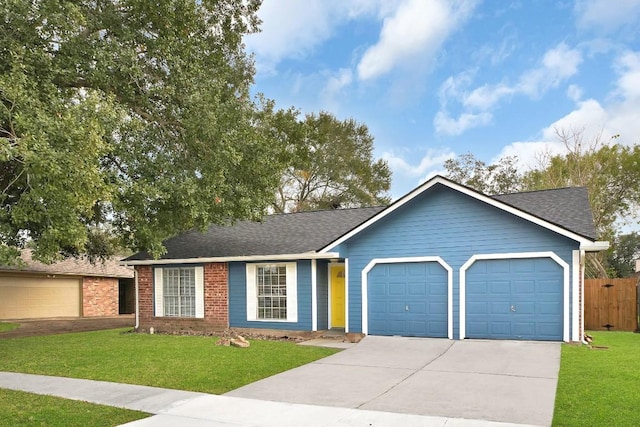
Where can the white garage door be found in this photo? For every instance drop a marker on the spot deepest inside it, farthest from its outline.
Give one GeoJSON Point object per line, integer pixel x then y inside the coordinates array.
{"type": "Point", "coordinates": [39, 297]}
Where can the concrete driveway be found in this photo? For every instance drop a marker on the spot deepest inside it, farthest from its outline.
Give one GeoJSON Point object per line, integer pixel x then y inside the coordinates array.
{"type": "Point", "coordinates": [506, 381]}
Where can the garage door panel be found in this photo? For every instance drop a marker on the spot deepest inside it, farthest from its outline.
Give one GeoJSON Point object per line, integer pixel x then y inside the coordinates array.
{"type": "Point", "coordinates": [396, 289]}
{"type": "Point", "coordinates": [500, 329]}
{"type": "Point", "coordinates": [525, 329]}
{"type": "Point", "coordinates": [525, 300]}
{"type": "Point", "coordinates": [417, 289]}
{"type": "Point", "coordinates": [438, 308]}
{"type": "Point", "coordinates": [499, 307]}
{"type": "Point", "coordinates": [410, 299]}
{"type": "Point", "coordinates": [477, 308]}
{"type": "Point", "coordinates": [500, 287]}
{"type": "Point", "coordinates": [523, 287]}
{"type": "Point", "coordinates": [396, 307]}
{"type": "Point", "coordinates": [36, 297]}
{"type": "Point", "coordinates": [418, 308]}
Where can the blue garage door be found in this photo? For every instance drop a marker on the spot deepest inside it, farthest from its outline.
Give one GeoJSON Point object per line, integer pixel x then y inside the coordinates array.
{"type": "Point", "coordinates": [515, 299]}
{"type": "Point", "coordinates": [408, 299]}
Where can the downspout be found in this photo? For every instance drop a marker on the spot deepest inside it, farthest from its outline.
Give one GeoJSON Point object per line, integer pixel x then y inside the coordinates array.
{"type": "Point", "coordinates": [135, 276]}
{"type": "Point", "coordinates": [582, 268]}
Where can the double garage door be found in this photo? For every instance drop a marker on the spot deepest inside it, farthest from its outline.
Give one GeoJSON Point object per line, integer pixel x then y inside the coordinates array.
{"type": "Point", "coordinates": [39, 297]}
{"type": "Point", "coordinates": [505, 299]}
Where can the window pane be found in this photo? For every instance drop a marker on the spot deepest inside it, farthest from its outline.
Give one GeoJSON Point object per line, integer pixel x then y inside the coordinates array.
{"type": "Point", "coordinates": [271, 289]}
{"type": "Point", "coordinates": [179, 289]}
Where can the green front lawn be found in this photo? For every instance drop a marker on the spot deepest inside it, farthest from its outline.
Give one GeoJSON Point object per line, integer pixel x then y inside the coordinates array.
{"type": "Point", "coordinates": [18, 408]}
{"type": "Point", "coordinates": [6, 326]}
{"type": "Point", "coordinates": [179, 362]}
{"type": "Point", "coordinates": [600, 387]}
{"type": "Point", "coordinates": [169, 361]}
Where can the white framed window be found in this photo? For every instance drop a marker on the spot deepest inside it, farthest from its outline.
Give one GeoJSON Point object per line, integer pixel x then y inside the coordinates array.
{"type": "Point", "coordinates": [179, 292]}
{"type": "Point", "coordinates": [272, 292]}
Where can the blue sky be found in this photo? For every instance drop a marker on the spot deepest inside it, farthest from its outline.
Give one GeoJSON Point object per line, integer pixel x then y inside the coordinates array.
{"type": "Point", "coordinates": [433, 79]}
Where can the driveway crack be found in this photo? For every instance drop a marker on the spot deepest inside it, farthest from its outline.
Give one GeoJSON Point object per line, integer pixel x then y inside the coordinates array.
{"type": "Point", "coordinates": [408, 376]}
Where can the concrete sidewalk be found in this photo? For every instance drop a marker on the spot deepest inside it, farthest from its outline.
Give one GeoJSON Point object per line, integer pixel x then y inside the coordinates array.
{"type": "Point", "coordinates": [190, 409]}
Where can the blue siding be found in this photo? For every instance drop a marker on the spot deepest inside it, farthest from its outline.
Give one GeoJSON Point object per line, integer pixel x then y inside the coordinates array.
{"type": "Point", "coordinates": [238, 299]}
{"type": "Point", "coordinates": [322, 288]}
{"type": "Point", "coordinates": [443, 222]}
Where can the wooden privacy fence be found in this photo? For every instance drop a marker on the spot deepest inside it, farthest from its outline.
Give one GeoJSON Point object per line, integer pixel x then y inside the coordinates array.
{"type": "Point", "coordinates": [611, 304]}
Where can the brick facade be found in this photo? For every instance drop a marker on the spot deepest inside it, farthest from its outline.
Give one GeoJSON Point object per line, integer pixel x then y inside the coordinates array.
{"type": "Point", "coordinates": [100, 296]}
{"type": "Point", "coordinates": [216, 303]}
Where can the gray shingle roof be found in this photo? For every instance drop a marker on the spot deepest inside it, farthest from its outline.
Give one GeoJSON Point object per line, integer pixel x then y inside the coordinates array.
{"type": "Point", "coordinates": [71, 267]}
{"type": "Point", "coordinates": [567, 207]}
{"type": "Point", "coordinates": [301, 232]}
{"type": "Point", "coordinates": [277, 234]}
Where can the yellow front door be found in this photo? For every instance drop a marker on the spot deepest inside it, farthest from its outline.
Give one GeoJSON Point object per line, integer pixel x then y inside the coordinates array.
{"type": "Point", "coordinates": [337, 296]}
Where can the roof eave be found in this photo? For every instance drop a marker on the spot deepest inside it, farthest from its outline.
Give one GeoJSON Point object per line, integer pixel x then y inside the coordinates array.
{"type": "Point", "coordinates": [240, 258]}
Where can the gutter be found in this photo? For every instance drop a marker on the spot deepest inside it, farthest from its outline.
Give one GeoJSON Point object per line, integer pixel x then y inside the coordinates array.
{"type": "Point", "coordinates": [278, 257]}
{"type": "Point", "coordinates": [597, 246]}
{"type": "Point", "coordinates": [137, 324]}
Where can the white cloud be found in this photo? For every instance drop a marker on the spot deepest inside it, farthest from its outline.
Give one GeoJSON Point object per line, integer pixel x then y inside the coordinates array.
{"type": "Point", "coordinates": [433, 158]}
{"type": "Point", "coordinates": [446, 125]}
{"type": "Point", "coordinates": [588, 115]}
{"type": "Point", "coordinates": [412, 35]}
{"type": "Point", "coordinates": [628, 66]}
{"type": "Point", "coordinates": [407, 175]}
{"type": "Point", "coordinates": [556, 66]}
{"type": "Point", "coordinates": [621, 116]}
{"type": "Point", "coordinates": [485, 97]}
{"type": "Point", "coordinates": [605, 15]}
{"type": "Point", "coordinates": [293, 28]}
{"type": "Point", "coordinates": [335, 87]}
{"type": "Point", "coordinates": [574, 93]}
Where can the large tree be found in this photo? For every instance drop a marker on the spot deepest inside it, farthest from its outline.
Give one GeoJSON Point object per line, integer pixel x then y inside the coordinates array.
{"type": "Point", "coordinates": [331, 166]}
{"type": "Point", "coordinates": [496, 178]}
{"type": "Point", "coordinates": [609, 171]}
{"type": "Point", "coordinates": [623, 254]}
{"type": "Point", "coordinates": [128, 118]}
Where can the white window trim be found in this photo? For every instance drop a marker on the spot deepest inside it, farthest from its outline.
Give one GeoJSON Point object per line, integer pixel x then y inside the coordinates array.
{"type": "Point", "coordinates": [314, 295]}
{"type": "Point", "coordinates": [374, 262]}
{"type": "Point", "coordinates": [158, 293]}
{"type": "Point", "coordinates": [518, 255]}
{"type": "Point", "coordinates": [292, 293]}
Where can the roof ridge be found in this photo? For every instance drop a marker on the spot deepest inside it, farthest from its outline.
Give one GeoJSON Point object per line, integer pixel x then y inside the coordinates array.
{"type": "Point", "coordinates": [327, 210]}
{"type": "Point", "coordinates": [539, 191]}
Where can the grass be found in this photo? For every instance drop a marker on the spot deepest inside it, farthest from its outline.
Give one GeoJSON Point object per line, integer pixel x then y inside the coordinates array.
{"type": "Point", "coordinates": [600, 387]}
{"type": "Point", "coordinates": [178, 362]}
{"type": "Point", "coordinates": [27, 409]}
{"type": "Point", "coordinates": [6, 326]}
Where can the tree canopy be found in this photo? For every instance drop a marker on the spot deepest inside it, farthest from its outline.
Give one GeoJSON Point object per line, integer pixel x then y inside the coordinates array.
{"type": "Point", "coordinates": [609, 171]}
{"type": "Point", "coordinates": [128, 118]}
{"type": "Point", "coordinates": [331, 166]}
{"type": "Point", "coordinates": [496, 178]}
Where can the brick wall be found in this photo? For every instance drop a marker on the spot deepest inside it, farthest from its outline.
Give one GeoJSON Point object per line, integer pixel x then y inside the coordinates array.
{"type": "Point", "coordinates": [216, 303]}
{"type": "Point", "coordinates": [99, 296]}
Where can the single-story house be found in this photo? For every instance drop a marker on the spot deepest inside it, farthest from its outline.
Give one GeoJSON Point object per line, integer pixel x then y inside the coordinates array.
{"type": "Point", "coordinates": [442, 261]}
{"type": "Point", "coordinates": [69, 288]}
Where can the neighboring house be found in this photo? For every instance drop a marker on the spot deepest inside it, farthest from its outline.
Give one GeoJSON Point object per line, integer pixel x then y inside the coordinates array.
{"type": "Point", "coordinates": [69, 288]}
{"type": "Point", "coordinates": [442, 261]}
